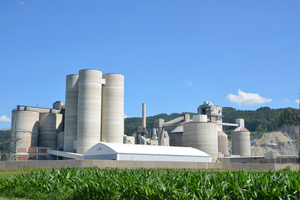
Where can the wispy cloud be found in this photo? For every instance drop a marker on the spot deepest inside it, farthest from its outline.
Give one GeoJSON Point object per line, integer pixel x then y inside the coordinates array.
{"type": "Point", "coordinates": [244, 98]}
{"type": "Point", "coordinates": [3, 118]}
{"type": "Point", "coordinates": [286, 101]}
{"type": "Point", "coordinates": [21, 2]}
{"type": "Point", "coordinates": [297, 101]}
{"type": "Point", "coordinates": [189, 83]}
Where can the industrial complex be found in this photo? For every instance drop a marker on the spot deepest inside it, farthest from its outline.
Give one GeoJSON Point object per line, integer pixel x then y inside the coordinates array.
{"type": "Point", "coordinates": [89, 125]}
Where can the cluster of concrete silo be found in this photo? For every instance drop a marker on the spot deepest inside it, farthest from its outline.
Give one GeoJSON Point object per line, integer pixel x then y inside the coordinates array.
{"type": "Point", "coordinates": [93, 112]}
{"type": "Point", "coordinates": [205, 133]}
{"type": "Point", "coordinates": [37, 127]}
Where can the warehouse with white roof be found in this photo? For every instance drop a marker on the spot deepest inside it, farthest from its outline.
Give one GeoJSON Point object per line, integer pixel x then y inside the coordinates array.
{"type": "Point", "coordinates": [111, 151]}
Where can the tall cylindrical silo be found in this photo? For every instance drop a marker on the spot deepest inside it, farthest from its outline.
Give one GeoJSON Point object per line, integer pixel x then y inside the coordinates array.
{"type": "Point", "coordinates": [222, 142]}
{"type": "Point", "coordinates": [89, 109]}
{"type": "Point", "coordinates": [202, 136]}
{"type": "Point", "coordinates": [71, 107]}
{"type": "Point", "coordinates": [50, 124]}
{"type": "Point", "coordinates": [176, 136]}
{"type": "Point", "coordinates": [113, 108]}
{"type": "Point", "coordinates": [241, 142]}
{"type": "Point", "coordinates": [26, 124]}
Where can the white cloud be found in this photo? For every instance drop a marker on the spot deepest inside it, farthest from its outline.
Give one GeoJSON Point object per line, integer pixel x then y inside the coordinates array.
{"type": "Point", "coordinates": [22, 3]}
{"type": "Point", "coordinates": [297, 101]}
{"type": "Point", "coordinates": [189, 83]}
{"type": "Point", "coordinates": [244, 98]}
{"type": "Point", "coordinates": [3, 118]}
{"type": "Point", "coordinates": [286, 101]}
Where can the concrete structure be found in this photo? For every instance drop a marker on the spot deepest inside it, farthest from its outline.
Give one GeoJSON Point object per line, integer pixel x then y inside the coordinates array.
{"type": "Point", "coordinates": [202, 136]}
{"type": "Point", "coordinates": [71, 110]}
{"type": "Point", "coordinates": [58, 105]}
{"type": "Point", "coordinates": [144, 115]}
{"type": "Point", "coordinates": [27, 125]}
{"type": "Point", "coordinates": [222, 142]}
{"type": "Point", "coordinates": [213, 113]}
{"type": "Point", "coordinates": [89, 109]}
{"type": "Point", "coordinates": [60, 140]}
{"type": "Point", "coordinates": [50, 124]}
{"type": "Point", "coordinates": [37, 109]}
{"type": "Point", "coordinates": [271, 154]}
{"type": "Point", "coordinates": [110, 151]}
{"type": "Point", "coordinates": [241, 142]}
{"type": "Point", "coordinates": [113, 109]}
{"type": "Point", "coordinates": [176, 136]}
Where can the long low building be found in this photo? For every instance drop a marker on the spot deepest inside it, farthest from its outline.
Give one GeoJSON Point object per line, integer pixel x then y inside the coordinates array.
{"type": "Point", "coordinates": [111, 151]}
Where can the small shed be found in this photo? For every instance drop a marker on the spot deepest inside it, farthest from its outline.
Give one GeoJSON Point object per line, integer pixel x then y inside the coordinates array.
{"type": "Point", "coordinates": [111, 151]}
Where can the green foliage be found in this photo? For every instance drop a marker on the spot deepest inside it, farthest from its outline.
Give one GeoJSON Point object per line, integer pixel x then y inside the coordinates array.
{"type": "Point", "coordinates": [287, 169]}
{"type": "Point", "coordinates": [93, 183]}
{"type": "Point", "coordinates": [4, 144]}
{"type": "Point", "coordinates": [286, 116]}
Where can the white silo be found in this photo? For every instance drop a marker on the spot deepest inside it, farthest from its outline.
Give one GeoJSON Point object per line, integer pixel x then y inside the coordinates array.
{"type": "Point", "coordinates": [113, 108]}
{"type": "Point", "coordinates": [26, 124]}
{"type": "Point", "coordinates": [89, 109]}
{"type": "Point", "coordinates": [49, 125]}
{"type": "Point", "coordinates": [201, 135]}
{"type": "Point", "coordinates": [71, 109]}
{"type": "Point", "coordinates": [241, 142]}
{"type": "Point", "coordinates": [222, 142]}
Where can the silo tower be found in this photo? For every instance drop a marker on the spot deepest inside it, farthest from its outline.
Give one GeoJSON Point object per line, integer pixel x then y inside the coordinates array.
{"type": "Point", "coordinates": [241, 140]}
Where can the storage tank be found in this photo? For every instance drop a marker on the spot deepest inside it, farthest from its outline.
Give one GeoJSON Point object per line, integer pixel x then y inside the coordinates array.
{"type": "Point", "coordinates": [50, 124]}
{"type": "Point", "coordinates": [176, 136]}
{"type": "Point", "coordinates": [71, 108]}
{"type": "Point", "coordinates": [27, 127]}
{"type": "Point", "coordinates": [222, 142]}
{"type": "Point", "coordinates": [113, 108]}
{"type": "Point", "coordinates": [202, 136]}
{"type": "Point", "coordinates": [241, 142]}
{"type": "Point", "coordinates": [89, 109]}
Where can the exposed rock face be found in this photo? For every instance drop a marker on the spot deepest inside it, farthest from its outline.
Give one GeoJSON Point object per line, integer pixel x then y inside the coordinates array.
{"type": "Point", "coordinates": [285, 141]}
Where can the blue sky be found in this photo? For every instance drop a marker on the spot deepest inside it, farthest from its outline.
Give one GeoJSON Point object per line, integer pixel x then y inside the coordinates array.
{"type": "Point", "coordinates": [174, 54]}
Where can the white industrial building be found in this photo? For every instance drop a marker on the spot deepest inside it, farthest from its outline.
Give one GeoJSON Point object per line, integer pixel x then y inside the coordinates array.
{"type": "Point", "coordinates": [110, 151]}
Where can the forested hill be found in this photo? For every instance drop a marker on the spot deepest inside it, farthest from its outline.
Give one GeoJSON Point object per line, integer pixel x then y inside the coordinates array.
{"type": "Point", "coordinates": [262, 120]}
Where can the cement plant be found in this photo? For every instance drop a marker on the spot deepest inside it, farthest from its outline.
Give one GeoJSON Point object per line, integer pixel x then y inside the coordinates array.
{"type": "Point", "coordinates": [89, 125]}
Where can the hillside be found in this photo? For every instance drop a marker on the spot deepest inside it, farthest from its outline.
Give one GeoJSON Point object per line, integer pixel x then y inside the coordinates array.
{"type": "Point", "coordinates": [285, 141]}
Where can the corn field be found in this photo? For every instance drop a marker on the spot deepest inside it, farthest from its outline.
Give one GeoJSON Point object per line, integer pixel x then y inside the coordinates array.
{"type": "Point", "coordinates": [93, 183]}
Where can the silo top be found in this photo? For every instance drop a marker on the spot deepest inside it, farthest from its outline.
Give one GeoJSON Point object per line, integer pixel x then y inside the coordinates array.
{"type": "Point", "coordinates": [241, 129]}
{"type": "Point", "coordinates": [89, 70]}
{"type": "Point", "coordinates": [73, 75]}
{"type": "Point", "coordinates": [113, 73]}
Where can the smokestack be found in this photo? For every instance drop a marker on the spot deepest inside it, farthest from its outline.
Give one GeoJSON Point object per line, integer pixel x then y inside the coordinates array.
{"type": "Point", "coordinates": [144, 115]}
